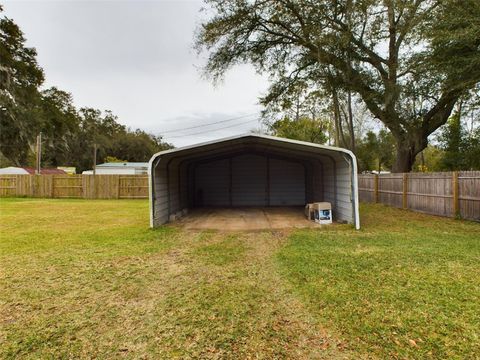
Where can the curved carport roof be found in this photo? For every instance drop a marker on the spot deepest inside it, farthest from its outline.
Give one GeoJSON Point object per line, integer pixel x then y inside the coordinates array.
{"type": "Point", "coordinates": [259, 144]}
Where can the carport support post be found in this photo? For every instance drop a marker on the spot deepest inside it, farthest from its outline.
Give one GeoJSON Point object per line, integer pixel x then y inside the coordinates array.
{"type": "Point", "coordinates": [230, 181]}
{"type": "Point", "coordinates": [267, 190]}
{"type": "Point", "coordinates": [168, 188]}
{"type": "Point", "coordinates": [118, 186]}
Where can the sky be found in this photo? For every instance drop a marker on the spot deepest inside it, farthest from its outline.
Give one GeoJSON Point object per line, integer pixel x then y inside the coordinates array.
{"type": "Point", "coordinates": [137, 59]}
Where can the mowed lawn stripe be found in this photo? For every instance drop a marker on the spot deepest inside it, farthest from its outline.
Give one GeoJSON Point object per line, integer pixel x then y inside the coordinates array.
{"type": "Point", "coordinates": [88, 279]}
{"type": "Point", "coordinates": [406, 286]}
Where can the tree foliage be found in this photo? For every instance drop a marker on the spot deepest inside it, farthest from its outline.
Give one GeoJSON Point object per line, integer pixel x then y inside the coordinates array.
{"type": "Point", "coordinates": [20, 77]}
{"type": "Point", "coordinates": [461, 149]}
{"type": "Point", "coordinates": [304, 129]}
{"type": "Point", "coordinates": [376, 151]}
{"type": "Point", "coordinates": [408, 60]}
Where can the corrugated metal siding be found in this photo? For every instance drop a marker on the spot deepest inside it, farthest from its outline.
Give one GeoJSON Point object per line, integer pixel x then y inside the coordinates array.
{"type": "Point", "coordinates": [329, 185]}
{"type": "Point", "coordinates": [212, 184]}
{"type": "Point", "coordinates": [328, 179]}
{"type": "Point", "coordinates": [174, 191]}
{"type": "Point", "coordinates": [249, 180]}
{"type": "Point", "coordinates": [183, 183]}
{"type": "Point", "coordinates": [317, 182]}
{"type": "Point", "coordinates": [337, 189]}
{"type": "Point", "coordinates": [160, 206]}
{"type": "Point", "coordinates": [287, 183]}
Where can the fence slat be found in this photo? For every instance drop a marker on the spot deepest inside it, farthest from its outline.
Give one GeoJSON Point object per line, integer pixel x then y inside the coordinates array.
{"type": "Point", "coordinates": [443, 193]}
{"type": "Point", "coordinates": [75, 186]}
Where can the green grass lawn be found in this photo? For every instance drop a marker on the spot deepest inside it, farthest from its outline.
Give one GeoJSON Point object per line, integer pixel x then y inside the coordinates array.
{"type": "Point", "coordinates": [88, 279]}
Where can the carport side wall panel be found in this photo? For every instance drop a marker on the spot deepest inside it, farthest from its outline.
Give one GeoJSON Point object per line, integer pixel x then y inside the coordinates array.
{"type": "Point", "coordinates": [183, 185]}
{"type": "Point", "coordinates": [317, 181]}
{"type": "Point", "coordinates": [160, 203]}
{"type": "Point", "coordinates": [174, 188]}
{"type": "Point", "coordinates": [337, 189]}
{"type": "Point", "coordinates": [344, 192]}
{"type": "Point", "coordinates": [310, 178]}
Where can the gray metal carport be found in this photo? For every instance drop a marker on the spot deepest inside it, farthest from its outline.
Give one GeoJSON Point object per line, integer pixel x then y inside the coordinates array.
{"type": "Point", "coordinates": [253, 170]}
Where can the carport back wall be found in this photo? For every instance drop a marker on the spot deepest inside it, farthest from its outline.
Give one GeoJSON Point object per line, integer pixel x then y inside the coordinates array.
{"type": "Point", "coordinates": [250, 179]}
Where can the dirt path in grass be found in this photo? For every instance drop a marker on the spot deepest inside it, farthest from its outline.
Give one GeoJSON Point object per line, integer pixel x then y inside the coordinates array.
{"type": "Point", "coordinates": [201, 295]}
{"type": "Point", "coordinates": [228, 301]}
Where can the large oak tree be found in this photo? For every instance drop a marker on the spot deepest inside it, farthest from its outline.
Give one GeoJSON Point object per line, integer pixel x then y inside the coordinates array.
{"type": "Point", "coordinates": [409, 60]}
{"type": "Point", "coordinates": [20, 77]}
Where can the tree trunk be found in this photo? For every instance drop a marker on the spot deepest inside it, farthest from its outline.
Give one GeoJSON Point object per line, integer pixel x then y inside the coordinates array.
{"type": "Point", "coordinates": [405, 158]}
{"type": "Point", "coordinates": [350, 121]}
{"type": "Point", "coordinates": [339, 136]}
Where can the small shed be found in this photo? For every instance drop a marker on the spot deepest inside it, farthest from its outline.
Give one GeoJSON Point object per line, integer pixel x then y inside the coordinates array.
{"type": "Point", "coordinates": [253, 170]}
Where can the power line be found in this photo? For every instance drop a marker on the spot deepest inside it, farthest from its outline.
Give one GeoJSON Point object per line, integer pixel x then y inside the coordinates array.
{"type": "Point", "coordinates": [206, 131]}
{"type": "Point", "coordinates": [208, 124]}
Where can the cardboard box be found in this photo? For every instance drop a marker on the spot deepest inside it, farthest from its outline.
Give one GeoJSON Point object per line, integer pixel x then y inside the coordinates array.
{"type": "Point", "coordinates": [323, 212]}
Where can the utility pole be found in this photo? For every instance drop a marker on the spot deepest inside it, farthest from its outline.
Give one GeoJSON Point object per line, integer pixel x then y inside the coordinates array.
{"type": "Point", "coordinates": [94, 158]}
{"type": "Point", "coordinates": [39, 154]}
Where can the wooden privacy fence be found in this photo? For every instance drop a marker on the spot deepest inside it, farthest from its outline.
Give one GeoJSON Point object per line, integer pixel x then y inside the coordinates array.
{"type": "Point", "coordinates": [75, 186]}
{"type": "Point", "coordinates": [452, 194]}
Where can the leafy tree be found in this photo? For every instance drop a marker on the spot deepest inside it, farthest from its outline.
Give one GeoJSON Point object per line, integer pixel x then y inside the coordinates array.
{"type": "Point", "coordinates": [137, 145]}
{"type": "Point", "coordinates": [472, 151]}
{"type": "Point", "coordinates": [113, 159]}
{"type": "Point", "coordinates": [111, 139]}
{"type": "Point", "coordinates": [376, 151]}
{"type": "Point", "coordinates": [393, 54]}
{"type": "Point", "coordinates": [68, 134]}
{"type": "Point", "coordinates": [453, 144]}
{"type": "Point", "coordinates": [430, 159]}
{"type": "Point", "coordinates": [304, 129]}
{"type": "Point", "coordinates": [59, 126]}
{"type": "Point", "coordinates": [20, 77]}
{"type": "Point", "coordinates": [461, 150]}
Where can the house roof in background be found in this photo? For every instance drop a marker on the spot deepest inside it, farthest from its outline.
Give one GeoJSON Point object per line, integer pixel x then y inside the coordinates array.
{"type": "Point", "coordinates": [31, 170]}
{"type": "Point", "coordinates": [13, 170]}
{"type": "Point", "coordinates": [124, 164]}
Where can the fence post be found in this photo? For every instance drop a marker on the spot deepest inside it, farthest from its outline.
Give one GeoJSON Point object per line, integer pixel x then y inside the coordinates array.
{"type": "Point", "coordinates": [52, 187]}
{"type": "Point", "coordinates": [456, 203]}
{"type": "Point", "coordinates": [405, 191]}
{"type": "Point", "coordinates": [375, 188]}
{"type": "Point", "coordinates": [94, 186]}
{"type": "Point", "coordinates": [118, 186]}
{"type": "Point", "coordinates": [17, 185]}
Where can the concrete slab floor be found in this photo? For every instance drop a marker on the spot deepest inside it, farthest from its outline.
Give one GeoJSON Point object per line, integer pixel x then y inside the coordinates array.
{"type": "Point", "coordinates": [246, 218]}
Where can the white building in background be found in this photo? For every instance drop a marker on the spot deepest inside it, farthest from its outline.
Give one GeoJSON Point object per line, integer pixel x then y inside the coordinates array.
{"type": "Point", "coordinates": [120, 168]}
{"type": "Point", "coordinates": [14, 170]}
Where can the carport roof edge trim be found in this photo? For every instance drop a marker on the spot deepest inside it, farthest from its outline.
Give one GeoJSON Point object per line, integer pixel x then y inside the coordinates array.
{"type": "Point", "coordinates": [244, 135]}
{"type": "Point", "coordinates": [352, 156]}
